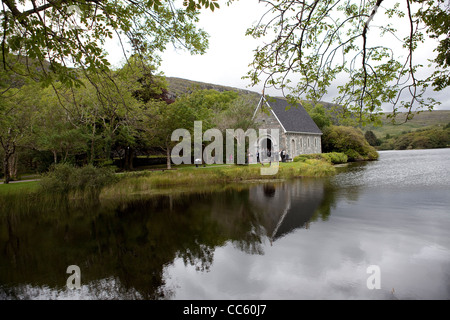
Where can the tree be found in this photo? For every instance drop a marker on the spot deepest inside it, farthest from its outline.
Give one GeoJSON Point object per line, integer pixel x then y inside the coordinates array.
{"type": "Point", "coordinates": [320, 116]}
{"type": "Point", "coordinates": [164, 118]}
{"type": "Point", "coordinates": [147, 96]}
{"type": "Point", "coordinates": [237, 113]}
{"type": "Point", "coordinates": [320, 42]}
{"type": "Point", "coordinates": [61, 35]}
{"type": "Point", "coordinates": [372, 138]}
{"type": "Point", "coordinates": [437, 19]}
{"type": "Point", "coordinates": [16, 111]}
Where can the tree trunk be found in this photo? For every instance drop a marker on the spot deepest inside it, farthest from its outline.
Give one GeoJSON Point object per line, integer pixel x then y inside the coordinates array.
{"type": "Point", "coordinates": [169, 165]}
{"type": "Point", "coordinates": [6, 168]}
{"type": "Point", "coordinates": [13, 164]}
{"type": "Point", "coordinates": [93, 144]}
{"type": "Point", "coordinates": [9, 148]}
{"type": "Point", "coordinates": [9, 151]}
{"type": "Point", "coordinates": [55, 156]}
{"type": "Point", "coordinates": [129, 155]}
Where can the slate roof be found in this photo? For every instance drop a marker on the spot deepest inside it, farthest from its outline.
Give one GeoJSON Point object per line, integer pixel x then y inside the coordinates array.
{"type": "Point", "coordinates": [296, 119]}
{"type": "Point", "coordinates": [299, 214]}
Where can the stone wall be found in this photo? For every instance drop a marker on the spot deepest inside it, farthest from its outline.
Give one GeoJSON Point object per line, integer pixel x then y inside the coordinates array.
{"type": "Point", "coordinates": [300, 143]}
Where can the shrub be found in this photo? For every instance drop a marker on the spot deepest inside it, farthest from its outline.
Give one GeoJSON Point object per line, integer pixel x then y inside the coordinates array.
{"type": "Point", "coordinates": [57, 179]}
{"type": "Point", "coordinates": [63, 178]}
{"type": "Point", "coordinates": [386, 145]}
{"type": "Point", "coordinates": [350, 141]}
{"type": "Point", "coordinates": [423, 139]}
{"type": "Point", "coordinates": [354, 155]}
{"type": "Point", "coordinates": [331, 157]}
{"type": "Point", "coordinates": [373, 154]}
{"type": "Point", "coordinates": [335, 157]}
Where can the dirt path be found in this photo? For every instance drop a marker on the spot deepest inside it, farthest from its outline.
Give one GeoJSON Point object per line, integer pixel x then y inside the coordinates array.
{"type": "Point", "coordinates": [1, 182]}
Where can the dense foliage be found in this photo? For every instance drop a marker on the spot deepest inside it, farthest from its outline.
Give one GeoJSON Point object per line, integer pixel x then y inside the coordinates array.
{"type": "Point", "coordinates": [349, 141]}
{"type": "Point", "coordinates": [64, 178]}
{"type": "Point", "coordinates": [427, 138]}
{"type": "Point", "coordinates": [132, 116]}
{"type": "Point", "coordinates": [52, 37]}
{"type": "Point", "coordinates": [372, 138]}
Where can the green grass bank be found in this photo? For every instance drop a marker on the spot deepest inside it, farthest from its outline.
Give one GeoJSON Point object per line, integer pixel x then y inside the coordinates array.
{"type": "Point", "coordinates": [168, 181]}
{"type": "Point", "coordinates": [148, 182]}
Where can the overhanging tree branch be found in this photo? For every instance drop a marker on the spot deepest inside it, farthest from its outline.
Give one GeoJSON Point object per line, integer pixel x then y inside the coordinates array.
{"type": "Point", "coordinates": [321, 33]}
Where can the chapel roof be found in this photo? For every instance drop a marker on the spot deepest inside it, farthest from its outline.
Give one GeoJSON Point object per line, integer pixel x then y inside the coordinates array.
{"type": "Point", "coordinates": [295, 118]}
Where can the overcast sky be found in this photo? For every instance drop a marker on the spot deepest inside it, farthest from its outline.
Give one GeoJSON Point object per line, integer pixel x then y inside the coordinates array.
{"type": "Point", "coordinates": [230, 51]}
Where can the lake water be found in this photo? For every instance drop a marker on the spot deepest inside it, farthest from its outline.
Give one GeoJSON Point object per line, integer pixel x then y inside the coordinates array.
{"type": "Point", "coordinates": [303, 239]}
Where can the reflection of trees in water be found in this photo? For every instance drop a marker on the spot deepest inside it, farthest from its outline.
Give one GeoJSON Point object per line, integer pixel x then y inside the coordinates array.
{"type": "Point", "coordinates": [333, 192]}
{"type": "Point", "coordinates": [201, 257]}
{"type": "Point", "coordinates": [134, 241]}
{"type": "Point", "coordinates": [104, 289]}
{"type": "Point", "coordinates": [238, 220]}
{"type": "Point", "coordinates": [251, 242]}
{"type": "Point", "coordinates": [323, 211]}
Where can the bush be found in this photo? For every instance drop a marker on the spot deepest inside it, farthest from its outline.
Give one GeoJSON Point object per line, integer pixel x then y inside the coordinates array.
{"type": "Point", "coordinates": [331, 157]}
{"type": "Point", "coordinates": [335, 157]}
{"type": "Point", "coordinates": [63, 178]}
{"type": "Point", "coordinates": [350, 141]}
{"type": "Point", "coordinates": [386, 145]}
{"type": "Point", "coordinates": [423, 139]}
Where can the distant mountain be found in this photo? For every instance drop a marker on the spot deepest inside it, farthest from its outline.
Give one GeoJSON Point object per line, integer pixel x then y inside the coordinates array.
{"type": "Point", "coordinates": [425, 119]}
{"type": "Point", "coordinates": [178, 87]}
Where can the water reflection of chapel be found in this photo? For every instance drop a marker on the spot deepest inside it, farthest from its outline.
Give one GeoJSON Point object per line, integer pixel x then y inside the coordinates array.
{"type": "Point", "coordinates": [286, 207]}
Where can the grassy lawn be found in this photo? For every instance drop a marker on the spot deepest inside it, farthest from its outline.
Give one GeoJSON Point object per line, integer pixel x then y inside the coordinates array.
{"type": "Point", "coordinates": [19, 187]}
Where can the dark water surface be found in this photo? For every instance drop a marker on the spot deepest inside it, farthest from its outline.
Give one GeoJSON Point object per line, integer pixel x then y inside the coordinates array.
{"type": "Point", "coordinates": [303, 239]}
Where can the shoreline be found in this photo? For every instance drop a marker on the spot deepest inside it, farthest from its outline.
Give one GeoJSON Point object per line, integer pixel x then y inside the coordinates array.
{"type": "Point", "coordinates": [158, 182]}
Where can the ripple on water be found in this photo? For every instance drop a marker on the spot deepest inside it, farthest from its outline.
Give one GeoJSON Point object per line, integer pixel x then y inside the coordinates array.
{"type": "Point", "coordinates": [413, 168]}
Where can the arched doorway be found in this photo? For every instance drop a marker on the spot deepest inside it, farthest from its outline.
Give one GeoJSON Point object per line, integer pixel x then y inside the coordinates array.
{"type": "Point", "coordinates": [266, 146]}
{"type": "Point", "coordinates": [266, 143]}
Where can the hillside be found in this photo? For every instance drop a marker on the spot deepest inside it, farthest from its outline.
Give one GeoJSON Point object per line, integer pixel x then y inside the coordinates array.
{"type": "Point", "coordinates": [178, 86]}
{"type": "Point", "coordinates": [436, 118]}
